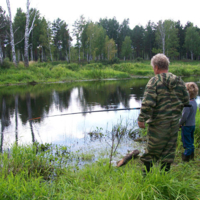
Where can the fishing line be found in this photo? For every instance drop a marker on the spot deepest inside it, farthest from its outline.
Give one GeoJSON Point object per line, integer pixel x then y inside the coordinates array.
{"type": "Point", "coordinates": [88, 112]}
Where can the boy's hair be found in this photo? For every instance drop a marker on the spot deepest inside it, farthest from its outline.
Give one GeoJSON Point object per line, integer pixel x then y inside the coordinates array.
{"type": "Point", "coordinates": [192, 88]}
{"type": "Point", "coordinates": [161, 61]}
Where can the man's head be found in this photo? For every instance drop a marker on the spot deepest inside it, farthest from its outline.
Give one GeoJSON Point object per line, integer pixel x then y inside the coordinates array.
{"type": "Point", "coordinates": [160, 63]}
{"type": "Point", "coordinates": [192, 88]}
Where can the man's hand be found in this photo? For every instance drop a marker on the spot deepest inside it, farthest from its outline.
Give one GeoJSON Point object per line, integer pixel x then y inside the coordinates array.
{"type": "Point", "coordinates": [141, 124]}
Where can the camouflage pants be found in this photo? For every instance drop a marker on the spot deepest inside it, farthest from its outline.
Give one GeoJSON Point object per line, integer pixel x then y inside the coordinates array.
{"type": "Point", "coordinates": [161, 142]}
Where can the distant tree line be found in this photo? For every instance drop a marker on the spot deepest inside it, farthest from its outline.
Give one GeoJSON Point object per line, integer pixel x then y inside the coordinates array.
{"type": "Point", "coordinates": [30, 37]}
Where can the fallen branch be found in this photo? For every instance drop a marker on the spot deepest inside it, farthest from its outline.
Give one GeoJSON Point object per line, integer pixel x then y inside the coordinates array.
{"type": "Point", "coordinates": [128, 157]}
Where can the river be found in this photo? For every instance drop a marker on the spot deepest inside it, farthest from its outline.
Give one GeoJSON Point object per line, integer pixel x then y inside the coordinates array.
{"type": "Point", "coordinates": [47, 105]}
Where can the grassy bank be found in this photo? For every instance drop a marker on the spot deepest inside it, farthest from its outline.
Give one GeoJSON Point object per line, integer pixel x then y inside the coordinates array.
{"type": "Point", "coordinates": [33, 172]}
{"type": "Point", "coordinates": [53, 72]}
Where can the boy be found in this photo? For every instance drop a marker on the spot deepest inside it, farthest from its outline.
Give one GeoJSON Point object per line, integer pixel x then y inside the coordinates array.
{"type": "Point", "coordinates": [187, 123]}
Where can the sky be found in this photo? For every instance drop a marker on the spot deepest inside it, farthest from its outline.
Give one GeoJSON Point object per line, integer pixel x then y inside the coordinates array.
{"type": "Point", "coordinates": [139, 12]}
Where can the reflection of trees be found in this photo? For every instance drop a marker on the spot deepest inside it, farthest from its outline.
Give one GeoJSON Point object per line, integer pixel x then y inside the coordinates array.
{"type": "Point", "coordinates": [61, 99]}
{"type": "Point", "coordinates": [16, 118]}
{"type": "Point", "coordinates": [39, 105]}
{"type": "Point", "coordinates": [5, 121]}
{"type": "Point", "coordinates": [109, 95]}
{"type": "Point", "coordinates": [29, 109]}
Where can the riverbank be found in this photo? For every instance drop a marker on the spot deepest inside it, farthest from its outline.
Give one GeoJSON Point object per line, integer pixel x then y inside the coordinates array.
{"type": "Point", "coordinates": [33, 172]}
{"type": "Point", "coordinates": [65, 72]}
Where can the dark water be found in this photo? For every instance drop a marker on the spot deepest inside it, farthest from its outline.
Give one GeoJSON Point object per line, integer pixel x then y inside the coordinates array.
{"type": "Point", "coordinates": [18, 104]}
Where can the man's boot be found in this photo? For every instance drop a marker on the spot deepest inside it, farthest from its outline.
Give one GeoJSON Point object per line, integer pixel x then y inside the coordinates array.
{"type": "Point", "coordinates": [165, 165]}
{"type": "Point", "coordinates": [148, 166]}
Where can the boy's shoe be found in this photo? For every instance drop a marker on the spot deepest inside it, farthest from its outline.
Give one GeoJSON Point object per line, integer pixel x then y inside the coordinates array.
{"type": "Point", "coordinates": [186, 158]}
{"type": "Point", "coordinates": [192, 156]}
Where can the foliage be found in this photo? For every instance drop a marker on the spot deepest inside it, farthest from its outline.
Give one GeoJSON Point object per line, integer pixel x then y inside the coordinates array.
{"type": "Point", "coordinates": [126, 47]}
{"type": "Point", "coordinates": [63, 71]}
{"type": "Point", "coordinates": [192, 41]}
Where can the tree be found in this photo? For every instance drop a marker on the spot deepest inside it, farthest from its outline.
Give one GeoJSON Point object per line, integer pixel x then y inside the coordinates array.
{"type": "Point", "coordinates": [138, 40]}
{"type": "Point", "coordinates": [167, 37]}
{"type": "Point", "coordinates": [149, 39]}
{"type": "Point", "coordinates": [124, 31]}
{"type": "Point", "coordinates": [61, 39]}
{"type": "Point", "coordinates": [192, 41]}
{"type": "Point", "coordinates": [3, 32]}
{"type": "Point", "coordinates": [11, 34]}
{"type": "Point", "coordinates": [126, 47]}
{"type": "Point", "coordinates": [27, 34]}
{"type": "Point", "coordinates": [110, 48]}
{"type": "Point", "coordinates": [19, 25]}
{"type": "Point", "coordinates": [111, 26]}
{"type": "Point", "coordinates": [77, 31]}
{"type": "Point", "coordinates": [181, 35]}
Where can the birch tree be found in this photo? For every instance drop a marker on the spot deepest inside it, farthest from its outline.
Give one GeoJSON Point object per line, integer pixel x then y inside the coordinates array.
{"type": "Point", "coordinates": [167, 37]}
{"type": "Point", "coordinates": [110, 48]}
{"type": "Point", "coordinates": [11, 34]}
{"type": "Point", "coordinates": [161, 34]}
{"type": "Point", "coordinates": [27, 34]}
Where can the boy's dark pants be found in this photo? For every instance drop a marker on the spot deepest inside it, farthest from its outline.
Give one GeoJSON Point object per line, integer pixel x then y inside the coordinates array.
{"type": "Point", "coordinates": [187, 135]}
{"type": "Point", "coordinates": [161, 144]}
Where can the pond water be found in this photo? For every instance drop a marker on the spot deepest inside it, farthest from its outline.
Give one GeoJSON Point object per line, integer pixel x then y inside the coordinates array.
{"type": "Point", "coordinates": [48, 104]}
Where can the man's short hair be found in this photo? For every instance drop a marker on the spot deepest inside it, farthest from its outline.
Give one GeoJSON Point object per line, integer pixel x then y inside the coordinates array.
{"type": "Point", "coordinates": [161, 61]}
{"type": "Point", "coordinates": [192, 88]}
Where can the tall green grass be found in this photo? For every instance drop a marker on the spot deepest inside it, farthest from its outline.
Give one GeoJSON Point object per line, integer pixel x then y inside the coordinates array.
{"type": "Point", "coordinates": [34, 172]}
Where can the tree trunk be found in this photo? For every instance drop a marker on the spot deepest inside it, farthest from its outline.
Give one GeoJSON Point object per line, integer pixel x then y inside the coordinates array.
{"type": "Point", "coordinates": [11, 34]}
{"type": "Point", "coordinates": [1, 54]}
{"type": "Point", "coordinates": [79, 58]}
{"type": "Point", "coordinates": [49, 46]}
{"type": "Point", "coordinates": [26, 57]}
{"type": "Point", "coordinates": [191, 55]}
{"type": "Point", "coordinates": [69, 53]}
{"type": "Point", "coordinates": [42, 55]}
{"type": "Point", "coordinates": [27, 34]}
{"type": "Point", "coordinates": [18, 55]}
{"type": "Point", "coordinates": [31, 52]}
{"type": "Point", "coordinates": [67, 57]}
{"type": "Point", "coordinates": [162, 34]}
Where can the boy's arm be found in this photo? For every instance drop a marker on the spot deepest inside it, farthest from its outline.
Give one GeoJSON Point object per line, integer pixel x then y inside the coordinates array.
{"type": "Point", "coordinates": [185, 114]}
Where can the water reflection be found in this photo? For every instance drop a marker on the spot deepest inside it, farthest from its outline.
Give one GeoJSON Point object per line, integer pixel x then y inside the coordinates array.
{"type": "Point", "coordinates": [19, 104]}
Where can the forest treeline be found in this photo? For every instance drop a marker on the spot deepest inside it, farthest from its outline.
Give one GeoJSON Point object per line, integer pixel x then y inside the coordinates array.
{"type": "Point", "coordinates": [106, 40]}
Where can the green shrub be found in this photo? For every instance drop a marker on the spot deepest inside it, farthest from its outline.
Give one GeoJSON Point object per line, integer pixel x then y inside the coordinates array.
{"type": "Point", "coordinates": [139, 59]}
{"type": "Point", "coordinates": [6, 64]}
{"type": "Point", "coordinates": [73, 67]}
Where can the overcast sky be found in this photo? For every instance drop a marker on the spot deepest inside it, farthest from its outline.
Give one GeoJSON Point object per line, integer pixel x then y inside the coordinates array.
{"type": "Point", "coordinates": [139, 12]}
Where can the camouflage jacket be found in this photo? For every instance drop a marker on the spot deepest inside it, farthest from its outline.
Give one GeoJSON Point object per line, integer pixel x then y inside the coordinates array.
{"type": "Point", "coordinates": [164, 98]}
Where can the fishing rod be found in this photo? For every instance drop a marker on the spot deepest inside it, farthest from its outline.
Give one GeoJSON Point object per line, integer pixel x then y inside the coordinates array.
{"type": "Point", "coordinates": [76, 113]}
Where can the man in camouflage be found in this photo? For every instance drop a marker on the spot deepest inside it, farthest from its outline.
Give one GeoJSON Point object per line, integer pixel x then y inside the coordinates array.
{"type": "Point", "coordinates": [164, 98]}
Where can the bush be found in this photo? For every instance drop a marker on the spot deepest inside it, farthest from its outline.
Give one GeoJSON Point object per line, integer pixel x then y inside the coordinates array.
{"type": "Point", "coordinates": [139, 59]}
{"type": "Point", "coordinates": [6, 64]}
{"type": "Point", "coordinates": [73, 66]}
